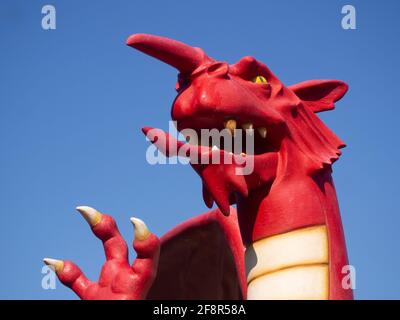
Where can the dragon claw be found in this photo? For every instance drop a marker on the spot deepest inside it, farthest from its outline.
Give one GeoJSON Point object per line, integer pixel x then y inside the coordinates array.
{"type": "Point", "coordinates": [141, 230]}
{"type": "Point", "coordinates": [58, 265]}
{"type": "Point", "coordinates": [91, 215]}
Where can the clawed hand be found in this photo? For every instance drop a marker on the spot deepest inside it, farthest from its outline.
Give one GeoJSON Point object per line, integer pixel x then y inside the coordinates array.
{"type": "Point", "coordinates": [118, 279]}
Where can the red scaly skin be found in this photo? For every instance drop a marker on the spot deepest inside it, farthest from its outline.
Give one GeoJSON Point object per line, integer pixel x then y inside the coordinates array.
{"type": "Point", "coordinates": [291, 185]}
{"type": "Point", "coordinates": [118, 279]}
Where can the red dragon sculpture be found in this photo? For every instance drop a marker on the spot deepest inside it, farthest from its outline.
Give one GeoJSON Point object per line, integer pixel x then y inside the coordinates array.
{"type": "Point", "coordinates": [284, 241]}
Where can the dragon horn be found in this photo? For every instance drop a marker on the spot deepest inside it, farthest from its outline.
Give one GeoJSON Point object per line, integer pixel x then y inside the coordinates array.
{"type": "Point", "coordinates": [177, 54]}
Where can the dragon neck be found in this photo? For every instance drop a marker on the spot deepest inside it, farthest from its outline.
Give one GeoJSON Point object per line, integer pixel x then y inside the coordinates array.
{"type": "Point", "coordinates": [296, 198]}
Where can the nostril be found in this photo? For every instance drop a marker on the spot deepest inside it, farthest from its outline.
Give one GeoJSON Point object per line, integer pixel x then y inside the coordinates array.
{"type": "Point", "coordinates": [219, 69]}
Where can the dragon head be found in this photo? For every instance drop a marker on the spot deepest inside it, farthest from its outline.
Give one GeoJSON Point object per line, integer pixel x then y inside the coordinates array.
{"type": "Point", "coordinates": [288, 137]}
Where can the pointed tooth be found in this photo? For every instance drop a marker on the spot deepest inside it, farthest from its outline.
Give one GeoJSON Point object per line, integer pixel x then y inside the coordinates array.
{"type": "Point", "coordinates": [58, 265]}
{"type": "Point", "coordinates": [247, 126]}
{"type": "Point", "coordinates": [215, 148]}
{"type": "Point", "coordinates": [141, 230]}
{"type": "Point", "coordinates": [231, 126]}
{"type": "Point", "coordinates": [91, 215]}
{"type": "Point", "coordinates": [262, 131]}
{"type": "Point", "coordinates": [243, 154]}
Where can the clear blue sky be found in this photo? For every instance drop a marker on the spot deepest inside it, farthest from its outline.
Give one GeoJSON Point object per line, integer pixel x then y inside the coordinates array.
{"type": "Point", "coordinates": [73, 100]}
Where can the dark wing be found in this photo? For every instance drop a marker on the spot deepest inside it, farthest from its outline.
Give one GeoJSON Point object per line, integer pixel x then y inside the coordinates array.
{"type": "Point", "coordinates": [202, 258]}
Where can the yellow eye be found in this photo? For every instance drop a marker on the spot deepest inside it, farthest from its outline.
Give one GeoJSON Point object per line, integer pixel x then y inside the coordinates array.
{"type": "Point", "coordinates": [259, 80]}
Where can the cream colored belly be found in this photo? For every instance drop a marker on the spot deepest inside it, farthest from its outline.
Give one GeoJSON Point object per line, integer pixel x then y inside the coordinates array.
{"type": "Point", "coordinates": [292, 265]}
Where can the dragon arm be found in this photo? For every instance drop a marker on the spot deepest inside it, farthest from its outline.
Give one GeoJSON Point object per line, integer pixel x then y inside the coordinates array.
{"type": "Point", "coordinates": [118, 280]}
{"type": "Point", "coordinates": [202, 258]}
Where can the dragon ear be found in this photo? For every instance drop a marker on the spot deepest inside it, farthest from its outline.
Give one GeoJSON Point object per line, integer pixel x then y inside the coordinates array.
{"type": "Point", "coordinates": [320, 95]}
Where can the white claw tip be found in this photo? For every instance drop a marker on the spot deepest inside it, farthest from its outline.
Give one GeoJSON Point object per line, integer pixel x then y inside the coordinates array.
{"type": "Point", "coordinates": [58, 265]}
{"type": "Point", "coordinates": [91, 215]}
{"type": "Point", "coordinates": [141, 230]}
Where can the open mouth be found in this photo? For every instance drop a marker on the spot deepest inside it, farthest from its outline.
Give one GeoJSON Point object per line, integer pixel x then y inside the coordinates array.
{"type": "Point", "coordinates": [231, 156]}
{"type": "Point", "coordinates": [232, 135]}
